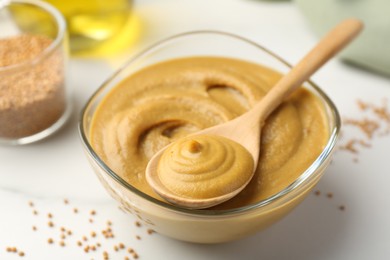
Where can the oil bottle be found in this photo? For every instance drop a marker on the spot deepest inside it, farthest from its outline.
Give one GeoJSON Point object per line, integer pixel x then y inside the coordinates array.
{"type": "Point", "coordinates": [91, 22]}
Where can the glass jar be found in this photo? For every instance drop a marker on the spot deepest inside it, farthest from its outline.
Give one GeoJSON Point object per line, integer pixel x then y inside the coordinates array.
{"type": "Point", "coordinates": [34, 99]}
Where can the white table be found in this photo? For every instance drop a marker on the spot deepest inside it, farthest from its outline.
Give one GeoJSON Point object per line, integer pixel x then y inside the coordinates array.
{"type": "Point", "coordinates": [47, 172]}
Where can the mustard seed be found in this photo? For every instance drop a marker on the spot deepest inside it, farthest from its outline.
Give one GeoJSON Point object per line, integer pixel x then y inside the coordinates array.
{"type": "Point", "coordinates": [31, 99]}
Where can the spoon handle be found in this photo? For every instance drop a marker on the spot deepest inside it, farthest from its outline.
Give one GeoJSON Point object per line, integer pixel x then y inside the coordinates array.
{"type": "Point", "coordinates": [331, 44]}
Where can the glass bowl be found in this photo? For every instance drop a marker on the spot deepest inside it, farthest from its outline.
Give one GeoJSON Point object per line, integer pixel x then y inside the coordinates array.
{"type": "Point", "coordinates": [34, 99]}
{"type": "Point", "coordinates": [206, 226]}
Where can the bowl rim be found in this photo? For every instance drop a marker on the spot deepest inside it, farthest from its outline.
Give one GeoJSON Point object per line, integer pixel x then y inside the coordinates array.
{"type": "Point", "coordinates": [303, 179]}
{"type": "Point", "coordinates": [56, 43]}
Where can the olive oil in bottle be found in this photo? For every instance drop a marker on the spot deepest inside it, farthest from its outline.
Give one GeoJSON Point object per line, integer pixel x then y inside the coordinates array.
{"type": "Point", "coordinates": [91, 22]}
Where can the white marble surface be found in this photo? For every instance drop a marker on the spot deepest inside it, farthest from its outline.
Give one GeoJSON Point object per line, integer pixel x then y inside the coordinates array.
{"type": "Point", "coordinates": [47, 172]}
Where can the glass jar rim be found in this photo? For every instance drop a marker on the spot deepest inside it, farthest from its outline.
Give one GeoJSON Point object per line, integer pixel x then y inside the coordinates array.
{"type": "Point", "coordinates": [61, 25]}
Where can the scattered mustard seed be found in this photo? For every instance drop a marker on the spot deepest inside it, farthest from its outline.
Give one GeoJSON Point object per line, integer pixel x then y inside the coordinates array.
{"type": "Point", "coordinates": [63, 235]}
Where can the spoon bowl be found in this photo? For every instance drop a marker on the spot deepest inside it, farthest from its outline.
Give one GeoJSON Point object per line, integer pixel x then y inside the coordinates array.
{"type": "Point", "coordinates": [246, 129]}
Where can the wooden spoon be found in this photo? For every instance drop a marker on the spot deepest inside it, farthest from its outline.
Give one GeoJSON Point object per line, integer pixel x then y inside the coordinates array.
{"type": "Point", "coordinates": [246, 129]}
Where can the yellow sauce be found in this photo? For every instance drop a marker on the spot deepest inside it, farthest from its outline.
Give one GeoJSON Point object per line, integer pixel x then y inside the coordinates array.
{"type": "Point", "coordinates": [204, 166]}
{"type": "Point", "coordinates": [167, 101]}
